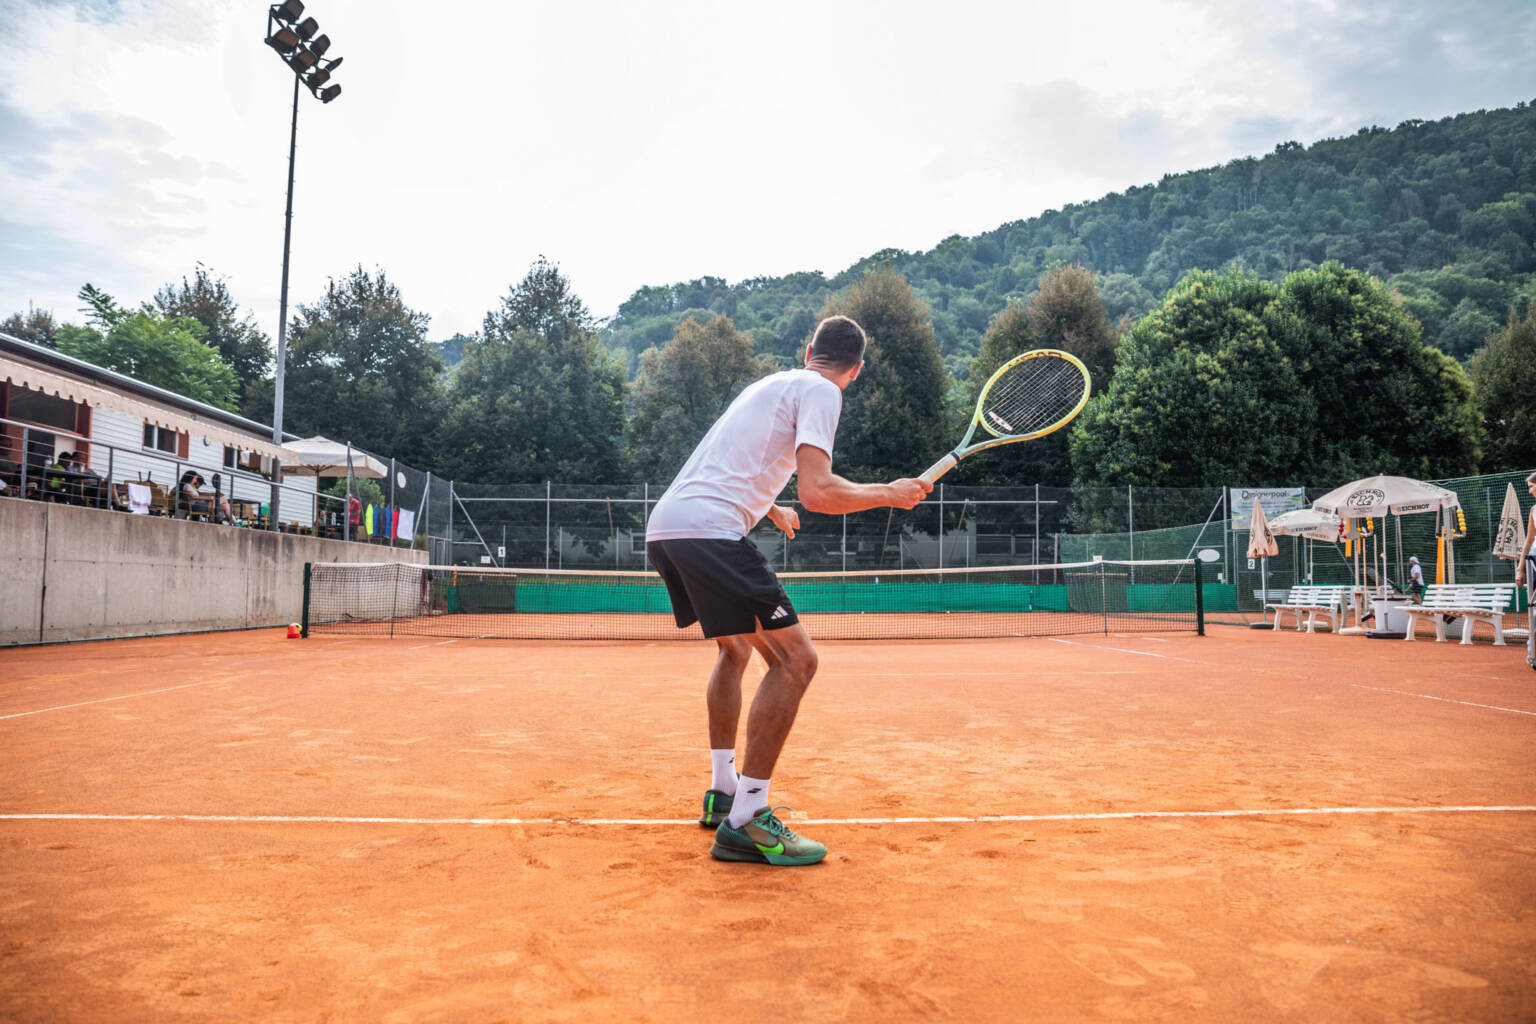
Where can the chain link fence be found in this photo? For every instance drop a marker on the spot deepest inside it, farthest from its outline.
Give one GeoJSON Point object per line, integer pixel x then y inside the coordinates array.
{"type": "Point", "coordinates": [602, 527]}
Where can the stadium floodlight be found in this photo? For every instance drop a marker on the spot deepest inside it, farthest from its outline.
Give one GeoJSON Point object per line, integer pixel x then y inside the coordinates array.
{"type": "Point", "coordinates": [283, 40]}
{"type": "Point", "coordinates": [286, 34]}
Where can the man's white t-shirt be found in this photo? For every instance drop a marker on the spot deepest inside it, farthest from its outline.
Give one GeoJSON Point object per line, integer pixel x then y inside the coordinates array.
{"type": "Point", "coordinates": [729, 482]}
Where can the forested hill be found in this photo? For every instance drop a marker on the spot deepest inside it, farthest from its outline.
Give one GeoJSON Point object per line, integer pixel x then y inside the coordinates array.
{"type": "Point", "coordinates": [1443, 211]}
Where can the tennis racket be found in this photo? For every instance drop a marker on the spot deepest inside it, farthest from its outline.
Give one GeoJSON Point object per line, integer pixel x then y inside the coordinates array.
{"type": "Point", "coordinates": [1029, 396]}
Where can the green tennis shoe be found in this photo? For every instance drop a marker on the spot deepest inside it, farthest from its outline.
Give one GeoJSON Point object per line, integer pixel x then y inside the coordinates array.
{"type": "Point", "coordinates": [765, 840]}
{"type": "Point", "coordinates": [717, 807]}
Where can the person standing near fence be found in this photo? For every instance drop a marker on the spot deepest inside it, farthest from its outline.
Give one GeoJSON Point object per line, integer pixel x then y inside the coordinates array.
{"type": "Point", "coordinates": [696, 538]}
{"type": "Point", "coordinates": [1525, 572]}
{"type": "Point", "coordinates": [1415, 580]}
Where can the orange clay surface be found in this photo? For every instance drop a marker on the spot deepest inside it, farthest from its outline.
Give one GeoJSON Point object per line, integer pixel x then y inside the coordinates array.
{"type": "Point", "coordinates": [1250, 826]}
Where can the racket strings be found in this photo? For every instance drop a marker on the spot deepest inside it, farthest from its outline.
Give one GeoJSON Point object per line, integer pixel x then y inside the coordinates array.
{"type": "Point", "coordinates": [1032, 396]}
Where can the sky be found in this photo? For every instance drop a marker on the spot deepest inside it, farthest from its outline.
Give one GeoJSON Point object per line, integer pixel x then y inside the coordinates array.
{"type": "Point", "coordinates": [656, 141]}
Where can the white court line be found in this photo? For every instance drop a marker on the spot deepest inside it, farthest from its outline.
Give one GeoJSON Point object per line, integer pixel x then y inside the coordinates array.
{"type": "Point", "coordinates": [1447, 700]}
{"type": "Point", "coordinates": [945, 820]}
{"type": "Point", "coordinates": [108, 700]}
{"type": "Point", "coordinates": [1122, 650]}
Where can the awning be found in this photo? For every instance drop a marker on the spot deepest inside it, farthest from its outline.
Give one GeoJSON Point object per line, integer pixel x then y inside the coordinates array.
{"type": "Point", "coordinates": [35, 378]}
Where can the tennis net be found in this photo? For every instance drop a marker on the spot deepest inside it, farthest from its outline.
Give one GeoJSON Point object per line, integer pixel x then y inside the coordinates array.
{"type": "Point", "coordinates": [401, 599]}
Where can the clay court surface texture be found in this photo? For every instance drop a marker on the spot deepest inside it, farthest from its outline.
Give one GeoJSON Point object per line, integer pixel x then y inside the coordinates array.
{"type": "Point", "coordinates": [1243, 827]}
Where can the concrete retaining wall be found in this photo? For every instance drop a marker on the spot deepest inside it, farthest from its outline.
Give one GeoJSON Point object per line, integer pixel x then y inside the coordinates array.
{"type": "Point", "coordinates": [69, 573]}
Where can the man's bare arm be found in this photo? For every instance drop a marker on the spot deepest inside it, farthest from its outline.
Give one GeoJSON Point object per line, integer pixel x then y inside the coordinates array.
{"type": "Point", "coordinates": [822, 490]}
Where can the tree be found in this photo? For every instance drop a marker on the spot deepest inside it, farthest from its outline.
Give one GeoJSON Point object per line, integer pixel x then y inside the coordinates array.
{"type": "Point", "coordinates": [538, 397]}
{"type": "Point", "coordinates": [682, 388]}
{"type": "Point", "coordinates": [242, 345]}
{"type": "Point", "coordinates": [1065, 313]}
{"type": "Point", "coordinates": [361, 370]}
{"type": "Point", "coordinates": [1503, 380]}
{"type": "Point", "coordinates": [893, 421]}
{"type": "Point", "coordinates": [36, 325]}
{"type": "Point", "coordinates": [1204, 393]}
{"type": "Point", "coordinates": [1232, 380]}
{"type": "Point", "coordinates": [166, 351]}
{"type": "Point", "coordinates": [1386, 401]}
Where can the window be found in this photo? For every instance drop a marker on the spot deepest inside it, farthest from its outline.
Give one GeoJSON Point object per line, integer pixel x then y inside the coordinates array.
{"type": "Point", "coordinates": [231, 457]}
{"type": "Point", "coordinates": [159, 438]}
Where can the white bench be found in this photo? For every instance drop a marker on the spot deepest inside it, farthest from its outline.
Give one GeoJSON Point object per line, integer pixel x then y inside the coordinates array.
{"type": "Point", "coordinates": [1470, 602]}
{"type": "Point", "coordinates": [1315, 600]}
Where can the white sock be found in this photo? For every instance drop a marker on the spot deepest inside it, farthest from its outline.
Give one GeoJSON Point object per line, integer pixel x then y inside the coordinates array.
{"type": "Point", "coordinates": [724, 764]}
{"type": "Point", "coordinates": [751, 797]}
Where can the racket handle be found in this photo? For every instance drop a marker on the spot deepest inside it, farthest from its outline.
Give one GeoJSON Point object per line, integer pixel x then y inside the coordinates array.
{"type": "Point", "coordinates": [938, 469]}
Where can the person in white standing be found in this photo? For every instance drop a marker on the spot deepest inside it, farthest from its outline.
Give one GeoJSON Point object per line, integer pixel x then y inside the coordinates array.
{"type": "Point", "coordinates": [779, 426]}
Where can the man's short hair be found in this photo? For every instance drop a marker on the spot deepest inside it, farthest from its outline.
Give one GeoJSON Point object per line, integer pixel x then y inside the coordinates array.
{"type": "Point", "coordinates": [838, 343]}
{"type": "Point", "coordinates": [1531, 479]}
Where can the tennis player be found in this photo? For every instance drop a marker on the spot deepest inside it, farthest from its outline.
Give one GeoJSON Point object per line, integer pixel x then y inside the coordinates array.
{"type": "Point", "coordinates": [696, 538]}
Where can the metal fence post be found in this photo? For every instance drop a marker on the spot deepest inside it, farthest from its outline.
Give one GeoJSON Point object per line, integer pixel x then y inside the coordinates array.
{"type": "Point", "coordinates": [548, 502]}
{"type": "Point", "coordinates": [450, 522]}
{"type": "Point", "coordinates": [941, 527]}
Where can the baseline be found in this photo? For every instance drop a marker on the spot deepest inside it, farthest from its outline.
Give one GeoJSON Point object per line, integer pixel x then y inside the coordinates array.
{"type": "Point", "coordinates": [958, 819]}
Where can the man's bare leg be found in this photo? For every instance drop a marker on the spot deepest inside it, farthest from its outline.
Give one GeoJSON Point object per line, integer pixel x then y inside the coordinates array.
{"type": "Point", "coordinates": [724, 693]}
{"type": "Point", "coordinates": [751, 832]}
{"type": "Point", "coordinates": [791, 662]}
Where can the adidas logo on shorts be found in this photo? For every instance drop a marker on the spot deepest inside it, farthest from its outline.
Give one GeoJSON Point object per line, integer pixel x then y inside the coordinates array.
{"type": "Point", "coordinates": [778, 613]}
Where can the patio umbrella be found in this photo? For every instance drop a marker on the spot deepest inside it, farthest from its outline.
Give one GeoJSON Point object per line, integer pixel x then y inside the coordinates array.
{"type": "Point", "coordinates": [320, 456]}
{"type": "Point", "coordinates": [1379, 495]}
{"type": "Point", "coordinates": [1308, 523]}
{"type": "Point", "coordinates": [1508, 541]}
{"type": "Point", "coordinates": [1261, 544]}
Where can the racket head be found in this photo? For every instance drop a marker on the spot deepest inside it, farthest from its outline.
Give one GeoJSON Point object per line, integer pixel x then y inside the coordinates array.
{"type": "Point", "coordinates": [1031, 395]}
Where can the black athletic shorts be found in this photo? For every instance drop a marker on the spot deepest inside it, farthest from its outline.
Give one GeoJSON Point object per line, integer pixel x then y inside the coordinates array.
{"type": "Point", "coordinates": [726, 586]}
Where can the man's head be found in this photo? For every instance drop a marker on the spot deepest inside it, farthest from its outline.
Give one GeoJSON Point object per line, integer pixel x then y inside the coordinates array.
{"type": "Point", "coordinates": [837, 346]}
{"type": "Point", "coordinates": [1530, 482]}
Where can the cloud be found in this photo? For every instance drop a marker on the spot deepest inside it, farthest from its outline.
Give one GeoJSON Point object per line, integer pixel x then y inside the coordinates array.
{"type": "Point", "coordinates": [650, 142]}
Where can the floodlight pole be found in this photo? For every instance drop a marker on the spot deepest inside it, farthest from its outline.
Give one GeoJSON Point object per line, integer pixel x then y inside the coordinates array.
{"type": "Point", "coordinates": [282, 307]}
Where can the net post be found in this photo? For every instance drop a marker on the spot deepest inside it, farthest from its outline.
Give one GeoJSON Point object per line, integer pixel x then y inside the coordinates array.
{"type": "Point", "coordinates": [304, 615]}
{"type": "Point", "coordinates": [1104, 595]}
{"type": "Point", "coordinates": [1199, 602]}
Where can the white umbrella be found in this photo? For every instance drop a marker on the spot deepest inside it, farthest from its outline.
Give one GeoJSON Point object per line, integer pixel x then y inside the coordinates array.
{"type": "Point", "coordinates": [1261, 544]}
{"type": "Point", "coordinates": [320, 456]}
{"type": "Point", "coordinates": [1378, 495]}
{"type": "Point", "coordinates": [1507, 542]}
{"type": "Point", "coordinates": [1306, 522]}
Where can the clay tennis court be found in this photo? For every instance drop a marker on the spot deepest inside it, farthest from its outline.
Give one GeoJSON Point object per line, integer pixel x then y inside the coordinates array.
{"type": "Point", "coordinates": [1246, 826]}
